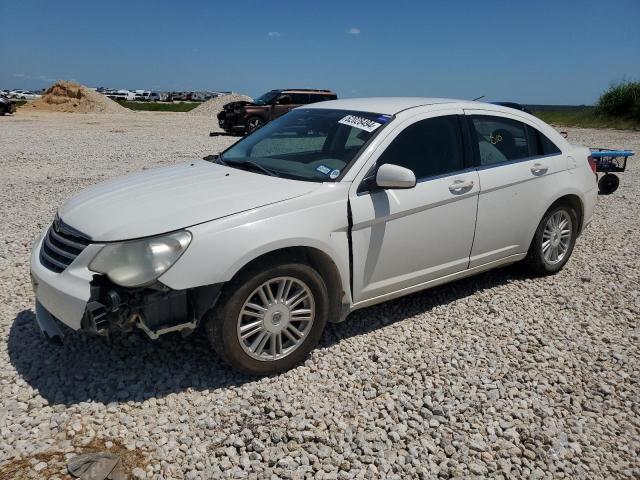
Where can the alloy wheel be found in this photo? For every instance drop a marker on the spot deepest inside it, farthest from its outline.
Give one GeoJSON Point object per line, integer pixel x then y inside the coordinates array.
{"type": "Point", "coordinates": [254, 123]}
{"type": "Point", "coordinates": [556, 237]}
{"type": "Point", "coordinates": [276, 318]}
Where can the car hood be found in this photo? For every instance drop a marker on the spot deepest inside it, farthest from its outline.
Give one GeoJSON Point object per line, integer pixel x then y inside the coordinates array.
{"type": "Point", "coordinates": [169, 198]}
{"type": "Point", "coordinates": [238, 104]}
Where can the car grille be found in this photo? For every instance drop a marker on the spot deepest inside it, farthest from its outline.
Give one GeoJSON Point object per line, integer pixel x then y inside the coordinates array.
{"type": "Point", "coordinates": [61, 246]}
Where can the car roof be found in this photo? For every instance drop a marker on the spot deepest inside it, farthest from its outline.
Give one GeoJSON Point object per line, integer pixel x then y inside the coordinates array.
{"type": "Point", "coordinates": [303, 90]}
{"type": "Point", "coordinates": [386, 105]}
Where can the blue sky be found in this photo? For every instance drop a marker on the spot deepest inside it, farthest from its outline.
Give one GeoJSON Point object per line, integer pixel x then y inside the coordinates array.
{"type": "Point", "coordinates": [533, 52]}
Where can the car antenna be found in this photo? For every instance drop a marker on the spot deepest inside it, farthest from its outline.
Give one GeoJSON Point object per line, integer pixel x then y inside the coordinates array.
{"type": "Point", "coordinates": [477, 98]}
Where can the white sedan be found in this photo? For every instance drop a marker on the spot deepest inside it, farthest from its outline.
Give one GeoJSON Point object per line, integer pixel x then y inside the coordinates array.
{"type": "Point", "coordinates": [24, 95]}
{"type": "Point", "coordinates": [332, 207]}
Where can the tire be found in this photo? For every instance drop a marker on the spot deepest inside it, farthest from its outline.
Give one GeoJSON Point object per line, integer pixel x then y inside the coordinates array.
{"type": "Point", "coordinates": [223, 323]}
{"type": "Point", "coordinates": [536, 259]}
{"type": "Point", "coordinates": [608, 184]}
{"type": "Point", "coordinates": [253, 123]}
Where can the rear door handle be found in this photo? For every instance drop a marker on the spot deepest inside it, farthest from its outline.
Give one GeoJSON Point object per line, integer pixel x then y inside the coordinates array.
{"type": "Point", "coordinates": [539, 169]}
{"type": "Point", "coordinates": [460, 186]}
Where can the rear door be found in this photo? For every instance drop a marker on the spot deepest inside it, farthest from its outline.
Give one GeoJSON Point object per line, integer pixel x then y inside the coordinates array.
{"type": "Point", "coordinates": [403, 239]}
{"type": "Point", "coordinates": [517, 168]}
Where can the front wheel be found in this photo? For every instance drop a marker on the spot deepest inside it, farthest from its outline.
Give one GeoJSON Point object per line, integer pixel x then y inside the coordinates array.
{"type": "Point", "coordinates": [268, 320]}
{"type": "Point", "coordinates": [554, 240]}
{"type": "Point", "coordinates": [254, 123]}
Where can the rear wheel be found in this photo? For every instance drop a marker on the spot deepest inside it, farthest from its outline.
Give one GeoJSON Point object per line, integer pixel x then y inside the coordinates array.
{"type": "Point", "coordinates": [554, 240]}
{"type": "Point", "coordinates": [269, 319]}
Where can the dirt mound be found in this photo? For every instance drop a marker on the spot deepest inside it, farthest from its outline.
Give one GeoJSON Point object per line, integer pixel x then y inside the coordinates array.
{"type": "Point", "coordinates": [214, 106]}
{"type": "Point", "coordinates": [72, 97]}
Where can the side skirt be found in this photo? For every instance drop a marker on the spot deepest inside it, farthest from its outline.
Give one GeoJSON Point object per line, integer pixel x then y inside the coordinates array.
{"type": "Point", "coordinates": [438, 281]}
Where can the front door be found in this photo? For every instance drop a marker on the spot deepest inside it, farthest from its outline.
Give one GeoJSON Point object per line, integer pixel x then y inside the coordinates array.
{"type": "Point", "coordinates": [405, 238]}
{"type": "Point", "coordinates": [282, 105]}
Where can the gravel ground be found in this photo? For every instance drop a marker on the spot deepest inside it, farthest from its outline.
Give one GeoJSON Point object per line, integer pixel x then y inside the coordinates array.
{"type": "Point", "coordinates": [498, 375]}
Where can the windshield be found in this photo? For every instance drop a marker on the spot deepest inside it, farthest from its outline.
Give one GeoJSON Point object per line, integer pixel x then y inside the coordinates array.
{"type": "Point", "coordinates": [267, 97]}
{"type": "Point", "coordinates": [307, 144]}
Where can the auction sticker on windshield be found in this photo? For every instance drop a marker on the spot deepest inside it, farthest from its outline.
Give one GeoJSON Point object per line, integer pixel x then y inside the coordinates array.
{"type": "Point", "coordinates": [323, 169]}
{"type": "Point", "coordinates": [360, 122]}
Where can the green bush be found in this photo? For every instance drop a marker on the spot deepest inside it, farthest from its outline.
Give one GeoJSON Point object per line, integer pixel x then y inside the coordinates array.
{"type": "Point", "coordinates": [621, 100]}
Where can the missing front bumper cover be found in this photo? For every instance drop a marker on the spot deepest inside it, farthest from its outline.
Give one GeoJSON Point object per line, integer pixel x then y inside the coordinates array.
{"type": "Point", "coordinates": [48, 326]}
{"type": "Point", "coordinates": [155, 310]}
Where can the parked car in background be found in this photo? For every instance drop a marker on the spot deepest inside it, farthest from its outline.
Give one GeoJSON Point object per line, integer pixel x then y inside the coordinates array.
{"type": "Point", "coordinates": [121, 95]}
{"type": "Point", "coordinates": [245, 117]}
{"type": "Point", "coordinates": [154, 97]}
{"type": "Point", "coordinates": [515, 106]}
{"type": "Point", "coordinates": [141, 95]}
{"type": "Point", "coordinates": [179, 96]}
{"type": "Point", "coordinates": [332, 207]}
{"type": "Point", "coordinates": [24, 95]}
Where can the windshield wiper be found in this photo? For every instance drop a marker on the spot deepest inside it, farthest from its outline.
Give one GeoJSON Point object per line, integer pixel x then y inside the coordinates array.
{"type": "Point", "coordinates": [248, 165]}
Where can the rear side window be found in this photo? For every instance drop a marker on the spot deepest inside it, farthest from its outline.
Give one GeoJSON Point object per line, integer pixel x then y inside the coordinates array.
{"type": "Point", "coordinates": [317, 97]}
{"type": "Point", "coordinates": [299, 98]}
{"type": "Point", "coordinates": [502, 139]}
{"type": "Point", "coordinates": [429, 147]}
{"type": "Point", "coordinates": [546, 146]}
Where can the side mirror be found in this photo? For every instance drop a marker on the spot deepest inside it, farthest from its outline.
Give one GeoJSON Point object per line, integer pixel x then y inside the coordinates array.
{"type": "Point", "coordinates": [395, 176]}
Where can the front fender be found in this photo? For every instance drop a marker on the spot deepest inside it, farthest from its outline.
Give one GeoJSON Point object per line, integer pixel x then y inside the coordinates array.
{"type": "Point", "coordinates": [220, 248]}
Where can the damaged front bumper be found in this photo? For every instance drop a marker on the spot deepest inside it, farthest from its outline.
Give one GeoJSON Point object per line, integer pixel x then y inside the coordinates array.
{"type": "Point", "coordinates": [87, 301]}
{"type": "Point", "coordinates": [229, 121]}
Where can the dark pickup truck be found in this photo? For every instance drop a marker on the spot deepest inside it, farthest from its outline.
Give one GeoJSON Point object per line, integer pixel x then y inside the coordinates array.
{"type": "Point", "coordinates": [245, 117]}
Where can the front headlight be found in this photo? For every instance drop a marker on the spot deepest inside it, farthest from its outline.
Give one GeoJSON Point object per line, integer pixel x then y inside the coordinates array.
{"type": "Point", "coordinates": [140, 262]}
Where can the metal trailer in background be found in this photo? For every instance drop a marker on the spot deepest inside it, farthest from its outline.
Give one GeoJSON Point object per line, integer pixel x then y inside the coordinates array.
{"type": "Point", "coordinates": [609, 161]}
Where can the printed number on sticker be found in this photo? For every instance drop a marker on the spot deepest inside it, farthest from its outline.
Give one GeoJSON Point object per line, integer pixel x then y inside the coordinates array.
{"type": "Point", "coordinates": [360, 122]}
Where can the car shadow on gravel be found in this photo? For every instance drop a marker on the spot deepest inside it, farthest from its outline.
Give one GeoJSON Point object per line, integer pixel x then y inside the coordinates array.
{"type": "Point", "coordinates": [373, 318]}
{"type": "Point", "coordinates": [133, 368]}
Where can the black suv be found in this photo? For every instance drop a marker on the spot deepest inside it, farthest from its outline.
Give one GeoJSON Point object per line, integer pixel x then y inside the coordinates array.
{"type": "Point", "coordinates": [245, 117]}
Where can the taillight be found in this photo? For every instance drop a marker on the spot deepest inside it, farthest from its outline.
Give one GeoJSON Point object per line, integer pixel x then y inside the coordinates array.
{"type": "Point", "coordinates": [592, 163]}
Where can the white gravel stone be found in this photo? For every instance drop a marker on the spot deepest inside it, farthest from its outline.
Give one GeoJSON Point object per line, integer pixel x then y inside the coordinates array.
{"type": "Point", "coordinates": [502, 374]}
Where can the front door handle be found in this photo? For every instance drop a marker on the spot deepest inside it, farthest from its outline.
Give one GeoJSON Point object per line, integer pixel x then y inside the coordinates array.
{"type": "Point", "coordinates": [539, 169]}
{"type": "Point", "coordinates": [460, 186]}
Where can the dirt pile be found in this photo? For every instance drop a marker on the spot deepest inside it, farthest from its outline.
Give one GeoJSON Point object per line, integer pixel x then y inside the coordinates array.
{"type": "Point", "coordinates": [72, 97]}
{"type": "Point", "coordinates": [214, 106]}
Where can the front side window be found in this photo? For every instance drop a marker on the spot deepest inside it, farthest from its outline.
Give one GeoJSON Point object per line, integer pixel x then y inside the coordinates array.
{"type": "Point", "coordinates": [501, 139]}
{"type": "Point", "coordinates": [428, 147]}
{"type": "Point", "coordinates": [266, 98]}
{"type": "Point", "coordinates": [306, 144]}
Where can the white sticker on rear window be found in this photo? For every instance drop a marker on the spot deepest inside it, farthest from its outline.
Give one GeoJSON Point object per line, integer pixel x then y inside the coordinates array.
{"type": "Point", "coordinates": [360, 122]}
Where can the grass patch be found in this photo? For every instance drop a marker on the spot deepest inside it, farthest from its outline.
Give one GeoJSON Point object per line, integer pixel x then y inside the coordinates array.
{"type": "Point", "coordinates": [18, 103]}
{"type": "Point", "coordinates": [621, 100]}
{"type": "Point", "coordinates": [587, 118]}
{"type": "Point", "coordinates": [160, 106]}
